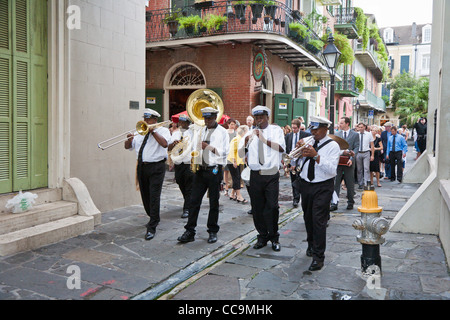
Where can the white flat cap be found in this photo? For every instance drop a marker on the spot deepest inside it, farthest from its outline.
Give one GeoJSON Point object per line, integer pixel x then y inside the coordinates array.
{"type": "Point", "coordinates": [148, 113]}
{"type": "Point", "coordinates": [259, 110]}
{"type": "Point", "coordinates": [208, 112]}
{"type": "Point", "coordinates": [315, 122]}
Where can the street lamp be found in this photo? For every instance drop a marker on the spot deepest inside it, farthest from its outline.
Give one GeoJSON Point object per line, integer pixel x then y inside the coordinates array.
{"type": "Point", "coordinates": [331, 56]}
{"type": "Point", "coordinates": [357, 105]}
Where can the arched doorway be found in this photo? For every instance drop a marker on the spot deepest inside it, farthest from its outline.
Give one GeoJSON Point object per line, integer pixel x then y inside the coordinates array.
{"type": "Point", "coordinates": [267, 90]}
{"type": "Point", "coordinates": [180, 81]}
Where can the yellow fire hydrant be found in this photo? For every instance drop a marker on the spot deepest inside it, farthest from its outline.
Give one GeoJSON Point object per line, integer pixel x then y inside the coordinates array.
{"type": "Point", "coordinates": [371, 226]}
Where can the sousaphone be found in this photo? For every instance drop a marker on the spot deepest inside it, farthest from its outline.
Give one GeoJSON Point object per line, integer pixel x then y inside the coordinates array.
{"type": "Point", "coordinates": [200, 99]}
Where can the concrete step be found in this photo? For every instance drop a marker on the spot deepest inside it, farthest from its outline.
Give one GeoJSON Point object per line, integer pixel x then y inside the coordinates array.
{"type": "Point", "coordinates": [44, 234]}
{"type": "Point", "coordinates": [45, 195]}
{"type": "Point", "coordinates": [39, 214]}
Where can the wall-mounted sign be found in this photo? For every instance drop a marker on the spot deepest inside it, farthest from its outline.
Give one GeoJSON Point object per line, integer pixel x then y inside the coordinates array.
{"type": "Point", "coordinates": [282, 106]}
{"type": "Point", "coordinates": [311, 89]}
{"type": "Point", "coordinates": [134, 105]}
{"type": "Point", "coordinates": [259, 65]}
{"type": "Point", "coordinates": [151, 100]}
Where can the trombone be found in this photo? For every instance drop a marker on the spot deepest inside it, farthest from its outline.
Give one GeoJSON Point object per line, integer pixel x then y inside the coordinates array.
{"type": "Point", "coordinates": [142, 128]}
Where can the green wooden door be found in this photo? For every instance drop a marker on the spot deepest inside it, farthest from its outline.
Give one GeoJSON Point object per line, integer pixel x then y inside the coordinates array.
{"type": "Point", "coordinates": [300, 109]}
{"type": "Point", "coordinates": [154, 100]}
{"type": "Point", "coordinates": [283, 109]}
{"type": "Point", "coordinates": [23, 95]}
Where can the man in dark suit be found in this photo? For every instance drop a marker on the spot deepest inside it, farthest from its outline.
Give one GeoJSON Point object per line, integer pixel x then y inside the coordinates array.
{"type": "Point", "coordinates": [291, 140]}
{"type": "Point", "coordinates": [384, 140]}
{"type": "Point", "coordinates": [347, 170]}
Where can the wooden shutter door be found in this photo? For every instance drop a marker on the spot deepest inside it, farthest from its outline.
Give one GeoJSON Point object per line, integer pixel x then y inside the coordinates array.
{"type": "Point", "coordinates": [5, 98]}
{"type": "Point", "coordinates": [23, 94]}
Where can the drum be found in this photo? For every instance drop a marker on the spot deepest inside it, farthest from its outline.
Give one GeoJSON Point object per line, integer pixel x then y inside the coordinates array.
{"type": "Point", "coordinates": [245, 175]}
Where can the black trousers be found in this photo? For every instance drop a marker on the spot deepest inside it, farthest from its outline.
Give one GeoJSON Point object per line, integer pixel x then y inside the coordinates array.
{"type": "Point", "coordinates": [184, 178]}
{"type": "Point", "coordinates": [151, 178]}
{"type": "Point", "coordinates": [205, 180]}
{"type": "Point", "coordinates": [316, 199]}
{"type": "Point", "coordinates": [264, 190]}
{"type": "Point", "coordinates": [295, 187]}
{"type": "Point", "coordinates": [396, 159]}
{"type": "Point", "coordinates": [235, 176]}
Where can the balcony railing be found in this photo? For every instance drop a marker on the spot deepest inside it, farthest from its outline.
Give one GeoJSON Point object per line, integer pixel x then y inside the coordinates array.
{"type": "Point", "coordinates": [346, 21]}
{"type": "Point", "coordinates": [347, 86]}
{"type": "Point", "coordinates": [243, 19]}
{"type": "Point", "coordinates": [372, 100]}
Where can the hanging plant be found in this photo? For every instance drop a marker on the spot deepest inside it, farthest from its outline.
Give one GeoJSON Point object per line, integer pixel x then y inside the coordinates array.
{"type": "Point", "coordinates": [299, 30]}
{"type": "Point", "coordinates": [359, 83]}
{"type": "Point", "coordinates": [343, 44]}
{"type": "Point", "coordinates": [215, 22]}
{"type": "Point", "coordinates": [190, 23]}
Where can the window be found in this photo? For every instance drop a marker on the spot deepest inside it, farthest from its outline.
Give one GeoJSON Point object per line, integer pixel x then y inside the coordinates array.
{"type": "Point", "coordinates": [404, 64]}
{"type": "Point", "coordinates": [426, 34]}
{"type": "Point", "coordinates": [388, 35]}
{"type": "Point", "coordinates": [426, 62]}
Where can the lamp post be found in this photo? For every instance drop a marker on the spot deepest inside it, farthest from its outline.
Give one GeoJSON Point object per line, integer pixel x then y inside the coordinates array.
{"type": "Point", "coordinates": [331, 56]}
{"type": "Point", "coordinates": [357, 105]}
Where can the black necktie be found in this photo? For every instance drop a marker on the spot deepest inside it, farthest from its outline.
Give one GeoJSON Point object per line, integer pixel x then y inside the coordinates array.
{"type": "Point", "coordinates": [141, 150]}
{"type": "Point", "coordinates": [393, 145]}
{"type": "Point", "coordinates": [312, 163]}
{"type": "Point", "coordinates": [296, 140]}
{"type": "Point", "coordinates": [361, 142]}
{"type": "Point", "coordinates": [345, 135]}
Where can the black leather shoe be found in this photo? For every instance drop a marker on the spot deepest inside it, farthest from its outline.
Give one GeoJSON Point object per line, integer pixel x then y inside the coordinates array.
{"type": "Point", "coordinates": [249, 212]}
{"type": "Point", "coordinates": [185, 214]}
{"type": "Point", "coordinates": [309, 252]}
{"type": "Point", "coordinates": [315, 265]}
{"type": "Point", "coordinates": [276, 246]}
{"type": "Point", "coordinates": [350, 207]}
{"type": "Point", "coordinates": [333, 207]}
{"type": "Point", "coordinates": [212, 237]}
{"type": "Point", "coordinates": [149, 235]}
{"type": "Point", "coordinates": [259, 245]}
{"type": "Point", "coordinates": [295, 204]}
{"type": "Point", "coordinates": [186, 237]}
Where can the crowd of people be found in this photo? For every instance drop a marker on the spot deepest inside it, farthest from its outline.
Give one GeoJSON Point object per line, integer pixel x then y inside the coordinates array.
{"type": "Point", "coordinates": [211, 159]}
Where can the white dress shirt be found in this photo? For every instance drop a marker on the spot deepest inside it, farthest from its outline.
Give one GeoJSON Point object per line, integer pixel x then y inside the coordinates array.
{"type": "Point", "coordinates": [153, 151]}
{"type": "Point", "coordinates": [329, 160]}
{"type": "Point", "coordinates": [218, 139]}
{"type": "Point", "coordinates": [367, 139]}
{"type": "Point", "coordinates": [272, 156]}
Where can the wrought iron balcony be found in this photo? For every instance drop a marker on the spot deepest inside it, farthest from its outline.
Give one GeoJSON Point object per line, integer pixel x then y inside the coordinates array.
{"type": "Point", "coordinates": [166, 26]}
{"type": "Point", "coordinates": [369, 100]}
{"type": "Point", "coordinates": [347, 87]}
{"type": "Point", "coordinates": [369, 58]}
{"type": "Point", "coordinates": [346, 22]}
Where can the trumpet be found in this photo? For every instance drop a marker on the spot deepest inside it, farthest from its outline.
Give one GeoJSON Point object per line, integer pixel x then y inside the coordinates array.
{"type": "Point", "coordinates": [297, 152]}
{"type": "Point", "coordinates": [142, 128]}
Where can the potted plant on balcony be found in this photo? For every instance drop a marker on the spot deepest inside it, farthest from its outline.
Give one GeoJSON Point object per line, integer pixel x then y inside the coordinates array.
{"type": "Point", "coordinates": [239, 9]}
{"type": "Point", "coordinates": [270, 8]}
{"type": "Point", "coordinates": [189, 24]}
{"type": "Point", "coordinates": [298, 31]}
{"type": "Point", "coordinates": [171, 19]}
{"type": "Point", "coordinates": [257, 7]}
{"type": "Point", "coordinates": [215, 22]}
{"type": "Point", "coordinates": [315, 45]}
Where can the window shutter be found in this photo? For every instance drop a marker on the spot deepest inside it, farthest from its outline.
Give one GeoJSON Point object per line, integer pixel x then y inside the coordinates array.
{"type": "Point", "coordinates": [21, 26]}
{"type": "Point", "coordinates": [4, 24]}
{"type": "Point", "coordinates": [5, 125]}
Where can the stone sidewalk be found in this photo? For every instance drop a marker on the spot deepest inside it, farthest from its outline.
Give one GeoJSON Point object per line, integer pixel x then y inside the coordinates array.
{"type": "Point", "coordinates": [115, 262]}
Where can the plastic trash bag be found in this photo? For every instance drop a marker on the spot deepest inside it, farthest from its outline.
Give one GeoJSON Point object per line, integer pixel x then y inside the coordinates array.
{"type": "Point", "coordinates": [22, 202]}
